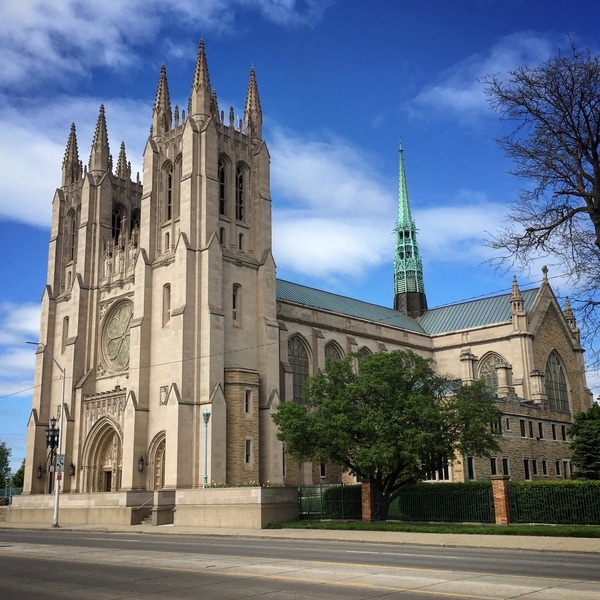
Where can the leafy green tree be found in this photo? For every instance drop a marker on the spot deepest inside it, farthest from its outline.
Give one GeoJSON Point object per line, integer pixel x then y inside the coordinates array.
{"type": "Point", "coordinates": [5, 452]}
{"type": "Point", "coordinates": [392, 420]}
{"type": "Point", "coordinates": [18, 476]}
{"type": "Point", "coordinates": [585, 443]}
{"type": "Point", "coordinates": [555, 146]}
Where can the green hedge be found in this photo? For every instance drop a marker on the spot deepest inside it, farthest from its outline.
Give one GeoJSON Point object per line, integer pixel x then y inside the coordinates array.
{"type": "Point", "coordinates": [343, 502]}
{"type": "Point", "coordinates": [572, 502]}
{"type": "Point", "coordinates": [444, 502]}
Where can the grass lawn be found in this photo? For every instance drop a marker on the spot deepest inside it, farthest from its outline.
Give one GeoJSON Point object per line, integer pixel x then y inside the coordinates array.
{"type": "Point", "coordinates": [590, 531]}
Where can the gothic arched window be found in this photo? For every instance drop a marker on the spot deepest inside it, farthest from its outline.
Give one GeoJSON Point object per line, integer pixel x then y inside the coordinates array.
{"type": "Point", "coordinates": [298, 358]}
{"type": "Point", "coordinates": [487, 370]}
{"type": "Point", "coordinates": [333, 352]}
{"type": "Point", "coordinates": [169, 195]}
{"type": "Point", "coordinates": [240, 193]}
{"type": "Point", "coordinates": [135, 219]}
{"type": "Point", "coordinates": [119, 214]}
{"type": "Point", "coordinates": [222, 203]}
{"type": "Point", "coordinates": [556, 383]}
{"type": "Point", "coordinates": [363, 353]}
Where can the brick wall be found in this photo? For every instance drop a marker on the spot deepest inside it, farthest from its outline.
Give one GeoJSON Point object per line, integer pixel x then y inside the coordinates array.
{"type": "Point", "coordinates": [241, 397]}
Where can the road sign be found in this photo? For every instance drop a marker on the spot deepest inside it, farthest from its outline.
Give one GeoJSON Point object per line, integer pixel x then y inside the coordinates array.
{"type": "Point", "coordinates": [60, 463]}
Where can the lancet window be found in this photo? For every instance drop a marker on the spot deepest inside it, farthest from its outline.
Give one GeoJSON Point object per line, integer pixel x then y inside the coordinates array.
{"type": "Point", "coordinates": [298, 359]}
{"type": "Point", "coordinates": [556, 383]}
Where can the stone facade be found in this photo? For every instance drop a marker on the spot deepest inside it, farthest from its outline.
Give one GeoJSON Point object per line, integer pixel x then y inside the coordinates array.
{"type": "Point", "coordinates": [162, 304]}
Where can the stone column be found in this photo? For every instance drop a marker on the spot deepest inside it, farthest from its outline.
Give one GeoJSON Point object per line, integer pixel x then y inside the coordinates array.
{"type": "Point", "coordinates": [501, 504]}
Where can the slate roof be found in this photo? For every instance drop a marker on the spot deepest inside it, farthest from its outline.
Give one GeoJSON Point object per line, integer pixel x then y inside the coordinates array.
{"type": "Point", "coordinates": [474, 313]}
{"type": "Point", "coordinates": [445, 319]}
{"type": "Point", "coordinates": [307, 296]}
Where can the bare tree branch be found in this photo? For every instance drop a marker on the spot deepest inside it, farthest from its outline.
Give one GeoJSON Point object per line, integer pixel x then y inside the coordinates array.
{"type": "Point", "coordinates": [555, 146]}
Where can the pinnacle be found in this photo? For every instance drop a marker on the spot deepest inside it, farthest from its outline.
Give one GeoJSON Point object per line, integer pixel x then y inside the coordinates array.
{"type": "Point", "coordinates": [201, 78]}
{"type": "Point", "coordinates": [161, 114]}
{"type": "Point", "coordinates": [99, 158]}
{"type": "Point", "coordinates": [516, 292]}
{"type": "Point", "coordinates": [71, 163]}
{"type": "Point", "coordinates": [200, 98]}
{"type": "Point", "coordinates": [123, 167]}
{"type": "Point", "coordinates": [253, 111]}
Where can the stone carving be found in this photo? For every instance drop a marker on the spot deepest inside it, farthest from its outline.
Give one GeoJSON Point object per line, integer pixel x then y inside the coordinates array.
{"type": "Point", "coordinates": [105, 404]}
{"type": "Point", "coordinates": [164, 394]}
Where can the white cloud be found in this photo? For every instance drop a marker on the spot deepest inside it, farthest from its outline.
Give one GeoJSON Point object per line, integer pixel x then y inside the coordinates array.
{"type": "Point", "coordinates": [458, 92]}
{"type": "Point", "coordinates": [55, 41]}
{"type": "Point", "coordinates": [334, 218]}
{"type": "Point", "coordinates": [458, 231]}
{"type": "Point", "coordinates": [19, 323]}
{"type": "Point", "coordinates": [332, 215]}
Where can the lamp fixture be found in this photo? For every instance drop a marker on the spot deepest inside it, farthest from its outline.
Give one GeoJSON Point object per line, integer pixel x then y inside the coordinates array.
{"type": "Point", "coordinates": [141, 464]}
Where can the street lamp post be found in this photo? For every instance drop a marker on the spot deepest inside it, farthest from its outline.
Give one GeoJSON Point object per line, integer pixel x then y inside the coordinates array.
{"type": "Point", "coordinates": [206, 416]}
{"type": "Point", "coordinates": [52, 434]}
{"type": "Point", "coordinates": [63, 373]}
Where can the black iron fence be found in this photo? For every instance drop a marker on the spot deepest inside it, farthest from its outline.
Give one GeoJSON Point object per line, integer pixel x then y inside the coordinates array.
{"type": "Point", "coordinates": [556, 502]}
{"type": "Point", "coordinates": [330, 501]}
{"type": "Point", "coordinates": [440, 502]}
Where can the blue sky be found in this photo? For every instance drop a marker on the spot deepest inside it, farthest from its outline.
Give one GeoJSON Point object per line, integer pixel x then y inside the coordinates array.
{"type": "Point", "coordinates": [340, 83]}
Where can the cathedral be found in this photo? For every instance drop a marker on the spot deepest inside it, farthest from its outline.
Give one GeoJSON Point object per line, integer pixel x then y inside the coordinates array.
{"type": "Point", "coordinates": [164, 320]}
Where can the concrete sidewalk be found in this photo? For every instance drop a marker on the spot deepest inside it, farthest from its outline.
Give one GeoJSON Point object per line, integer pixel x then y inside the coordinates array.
{"type": "Point", "coordinates": [504, 542]}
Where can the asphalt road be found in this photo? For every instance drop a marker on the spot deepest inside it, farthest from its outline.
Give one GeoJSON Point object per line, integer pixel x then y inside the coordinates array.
{"type": "Point", "coordinates": [68, 564]}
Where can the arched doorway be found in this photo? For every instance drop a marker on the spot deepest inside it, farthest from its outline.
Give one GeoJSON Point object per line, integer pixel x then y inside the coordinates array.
{"type": "Point", "coordinates": [157, 461]}
{"type": "Point", "coordinates": [159, 466]}
{"type": "Point", "coordinates": [103, 458]}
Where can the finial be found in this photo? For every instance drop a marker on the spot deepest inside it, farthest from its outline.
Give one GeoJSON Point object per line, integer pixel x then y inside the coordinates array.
{"type": "Point", "coordinates": [400, 145]}
{"type": "Point", "coordinates": [545, 272]}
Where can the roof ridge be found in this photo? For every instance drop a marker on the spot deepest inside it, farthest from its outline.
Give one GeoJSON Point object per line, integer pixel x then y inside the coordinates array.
{"type": "Point", "coordinates": [480, 299]}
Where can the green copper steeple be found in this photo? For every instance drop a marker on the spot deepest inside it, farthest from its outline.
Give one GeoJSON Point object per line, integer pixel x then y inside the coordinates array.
{"type": "Point", "coordinates": [409, 292]}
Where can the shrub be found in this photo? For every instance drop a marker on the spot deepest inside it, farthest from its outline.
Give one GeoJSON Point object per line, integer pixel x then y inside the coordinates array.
{"type": "Point", "coordinates": [444, 502]}
{"type": "Point", "coordinates": [560, 502]}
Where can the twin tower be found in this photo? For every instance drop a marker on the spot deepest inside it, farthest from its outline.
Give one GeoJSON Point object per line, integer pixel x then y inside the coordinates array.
{"type": "Point", "coordinates": [160, 306]}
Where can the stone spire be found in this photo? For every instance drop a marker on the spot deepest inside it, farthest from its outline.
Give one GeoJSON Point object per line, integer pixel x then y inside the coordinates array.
{"type": "Point", "coordinates": [253, 111]}
{"type": "Point", "coordinates": [409, 291]}
{"type": "Point", "coordinates": [123, 167]}
{"type": "Point", "coordinates": [100, 155]}
{"type": "Point", "coordinates": [569, 316]}
{"type": "Point", "coordinates": [201, 92]}
{"type": "Point", "coordinates": [516, 298]}
{"type": "Point", "coordinates": [161, 114]}
{"type": "Point", "coordinates": [71, 167]}
{"type": "Point", "coordinates": [518, 314]}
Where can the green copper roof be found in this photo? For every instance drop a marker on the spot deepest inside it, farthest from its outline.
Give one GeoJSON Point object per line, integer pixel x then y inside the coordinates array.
{"type": "Point", "coordinates": [307, 296]}
{"type": "Point", "coordinates": [475, 313]}
{"type": "Point", "coordinates": [408, 267]}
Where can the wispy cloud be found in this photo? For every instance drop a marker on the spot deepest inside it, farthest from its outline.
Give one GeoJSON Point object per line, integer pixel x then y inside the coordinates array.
{"type": "Point", "coordinates": [334, 217]}
{"type": "Point", "coordinates": [458, 93]}
{"type": "Point", "coordinates": [64, 39]}
{"type": "Point", "coordinates": [18, 323]}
